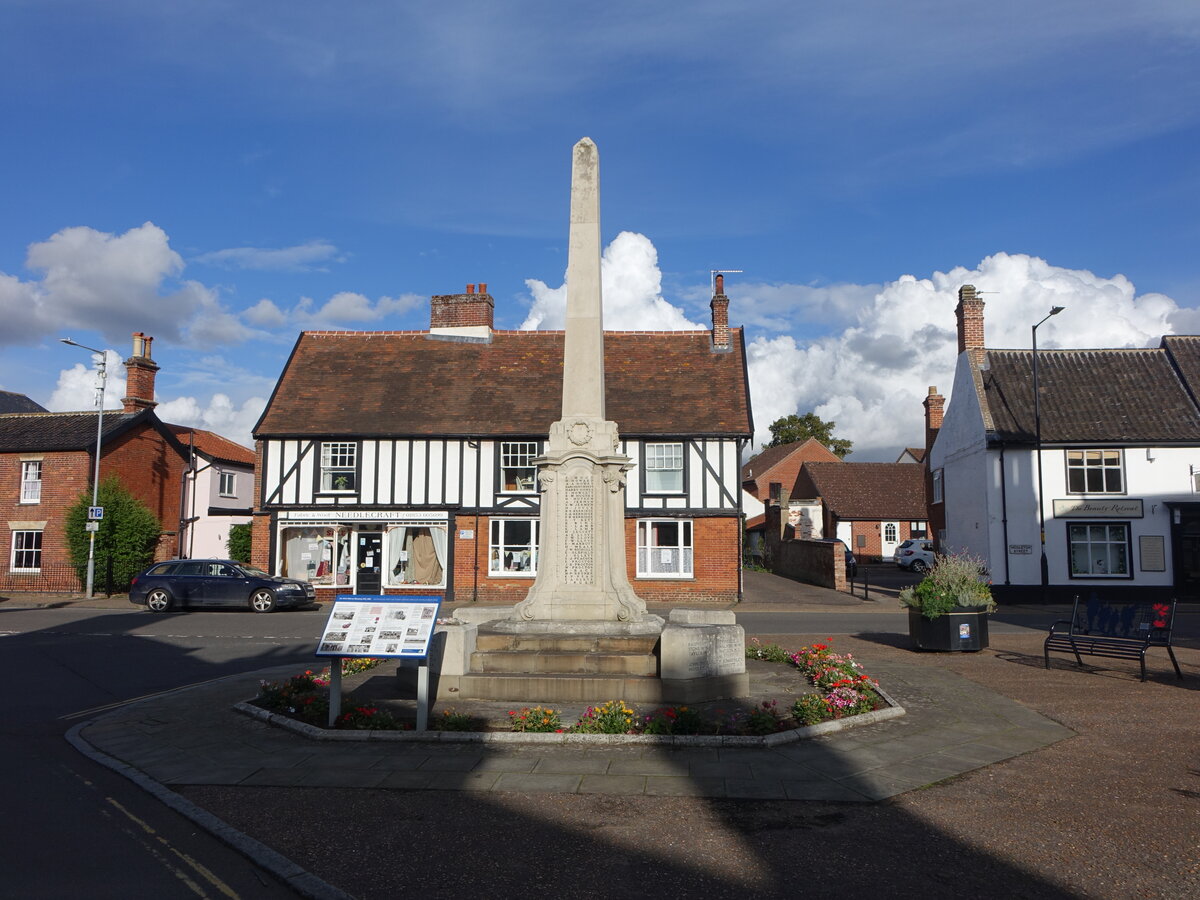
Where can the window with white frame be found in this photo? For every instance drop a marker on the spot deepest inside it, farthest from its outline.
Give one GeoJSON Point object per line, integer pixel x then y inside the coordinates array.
{"type": "Point", "coordinates": [26, 551]}
{"type": "Point", "coordinates": [228, 485]}
{"type": "Point", "coordinates": [890, 532]}
{"type": "Point", "coordinates": [664, 548]}
{"type": "Point", "coordinates": [518, 474]}
{"type": "Point", "coordinates": [339, 466]}
{"type": "Point", "coordinates": [1099, 549]}
{"type": "Point", "coordinates": [664, 468]}
{"type": "Point", "coordinates": [937, 485]}
{"type": "Point", "coordinates": [512, 547]}
{"type": "Point", "coordinates": [918, 529]}
{"type": "Point", "coordinates": [1095, 472]}
{"type": "Point", "coordinates": [31, 481]}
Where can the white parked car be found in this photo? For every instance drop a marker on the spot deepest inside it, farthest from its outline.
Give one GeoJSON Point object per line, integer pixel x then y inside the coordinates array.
{"type": "Point", "coordinates": [915, 554]}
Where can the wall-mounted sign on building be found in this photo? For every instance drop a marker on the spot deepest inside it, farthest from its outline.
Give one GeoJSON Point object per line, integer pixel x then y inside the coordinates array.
{"type": "Point", "coordinates": [1090, 509]}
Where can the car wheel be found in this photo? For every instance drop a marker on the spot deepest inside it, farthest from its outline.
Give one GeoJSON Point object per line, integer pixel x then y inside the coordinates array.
{"type": "Point", "coordinates": [158, 601]}
{"type": "Point", "coordinates": [919, 567]}
{"type": "Point", "coordinates": [262, 601]}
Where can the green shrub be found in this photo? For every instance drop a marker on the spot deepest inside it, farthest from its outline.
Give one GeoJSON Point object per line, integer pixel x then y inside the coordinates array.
{"type": "Point", "coordinates": [125, 541]}
{"type": "Point", "coordinates": [956, 580]}
{"type": "Point", "coordinates": [238, 544]}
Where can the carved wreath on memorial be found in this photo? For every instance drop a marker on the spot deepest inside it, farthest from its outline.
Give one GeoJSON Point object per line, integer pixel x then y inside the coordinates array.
{"type": "Point", "coordinates": [579, 433]}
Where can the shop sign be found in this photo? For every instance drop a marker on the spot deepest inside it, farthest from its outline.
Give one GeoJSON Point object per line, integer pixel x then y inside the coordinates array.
{"type": "Point", "coordinates": [362, 515]}
{"type": "Point", "coordinates": [1098, 508]}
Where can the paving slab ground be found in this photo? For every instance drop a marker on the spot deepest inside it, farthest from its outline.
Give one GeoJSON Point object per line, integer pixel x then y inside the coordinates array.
{"type": "Point", "coordinates": [1002, 780]}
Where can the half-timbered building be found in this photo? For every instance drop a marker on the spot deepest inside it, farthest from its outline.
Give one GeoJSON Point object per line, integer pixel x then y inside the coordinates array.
{"type": "Point", "coordinates": [393, 462]}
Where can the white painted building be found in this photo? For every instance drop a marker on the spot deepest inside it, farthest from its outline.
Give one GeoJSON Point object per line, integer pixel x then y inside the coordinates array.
{"type": "Point", "coordinates": [1120, 459]}
{"type": "Point", "coordinates": [218, 492]}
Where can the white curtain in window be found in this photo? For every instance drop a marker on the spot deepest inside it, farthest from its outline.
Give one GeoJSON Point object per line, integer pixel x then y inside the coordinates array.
{"type": "Point", "coordinates": [439, 545]}
{"type": "Point", "coordinates": [396, 557]}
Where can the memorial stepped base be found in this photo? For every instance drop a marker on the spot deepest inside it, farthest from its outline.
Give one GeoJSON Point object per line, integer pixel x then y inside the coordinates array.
{"type": "Point", "coordinates": [541, 668]}
{"type": "Point", "coordinates": [574, 654]}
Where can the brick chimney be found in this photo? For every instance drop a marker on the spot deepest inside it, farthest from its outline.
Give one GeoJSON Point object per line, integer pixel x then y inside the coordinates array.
{"type": "Point", "coordinates": [935, 403]}
{"type": "Point", "coordinates": [463, 313]}
{"type": "Point", "coordinates": [720, 315]}
{"type": "Point", "coordinates": [969, 313]}
{"type": "Point", "coordinates": [140, 370]}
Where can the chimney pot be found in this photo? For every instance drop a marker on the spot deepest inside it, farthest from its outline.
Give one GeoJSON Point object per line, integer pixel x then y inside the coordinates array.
{"type": "Point", "coordinates": [140, 370]}
{"type": "Point", "coordinates": [470, 288]}
{"type": "Point", "coordinates": [483, 287]}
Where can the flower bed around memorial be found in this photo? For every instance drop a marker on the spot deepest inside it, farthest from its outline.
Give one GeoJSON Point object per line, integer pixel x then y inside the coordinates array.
{"type": "Point", "coordinates": [842, 689]}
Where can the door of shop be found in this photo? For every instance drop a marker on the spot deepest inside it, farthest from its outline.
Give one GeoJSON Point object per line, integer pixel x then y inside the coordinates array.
{"type": "Point", "coordinates": [1187, 566]}
{"type": "Point", "coordinates": [369, 563]}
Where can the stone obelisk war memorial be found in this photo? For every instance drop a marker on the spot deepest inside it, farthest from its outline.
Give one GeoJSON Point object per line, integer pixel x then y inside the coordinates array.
{"type": "Point", "coordinates": [582, 633]}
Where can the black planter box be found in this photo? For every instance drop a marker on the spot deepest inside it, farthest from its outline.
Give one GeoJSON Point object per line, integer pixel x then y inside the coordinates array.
{"type": "Point", "coordinates": [958, 630]}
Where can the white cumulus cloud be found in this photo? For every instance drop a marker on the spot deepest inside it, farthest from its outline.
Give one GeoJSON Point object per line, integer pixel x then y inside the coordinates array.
{"type": "Point", "coordinates": [872, 376]}
{"type": "Point", "coordinates": [76, 387]}
{"type": "Point", "coordinates": [631, 284]}
{"type": "Point", "coordinates": [220, 414]}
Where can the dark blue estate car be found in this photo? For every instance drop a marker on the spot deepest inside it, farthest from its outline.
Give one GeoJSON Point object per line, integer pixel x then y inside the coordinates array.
{"type": "Point", "coordinates": [180, 583]}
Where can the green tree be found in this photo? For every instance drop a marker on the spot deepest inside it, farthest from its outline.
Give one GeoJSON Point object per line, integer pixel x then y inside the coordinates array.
{"type": "Point", "coordinates": [126, 538]}
{"type": "Point", "coordinates": [238, 544]}
{"type": "Point", "coordinates": [793, 428]}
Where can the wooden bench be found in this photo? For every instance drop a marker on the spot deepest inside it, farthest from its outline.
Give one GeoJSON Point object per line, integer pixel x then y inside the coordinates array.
{"type": "Point", "coordinates": [1115, 630]}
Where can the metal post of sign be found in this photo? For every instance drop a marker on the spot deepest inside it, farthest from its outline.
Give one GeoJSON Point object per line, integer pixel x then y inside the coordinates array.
{"type": "Point", "coordinates": [423, 697]}
{"type": "Point", "coordinates": [335, 690]}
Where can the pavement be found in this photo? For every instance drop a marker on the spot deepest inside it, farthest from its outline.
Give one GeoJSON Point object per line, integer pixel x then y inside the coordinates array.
{"type": "Point", "coordinates": [964, 713]}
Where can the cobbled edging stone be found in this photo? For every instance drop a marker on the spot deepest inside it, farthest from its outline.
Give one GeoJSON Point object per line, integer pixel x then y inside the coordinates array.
{"type": "Point", "coordinates": [891, 711]}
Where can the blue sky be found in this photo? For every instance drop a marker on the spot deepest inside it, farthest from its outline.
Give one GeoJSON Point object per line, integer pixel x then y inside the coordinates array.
{"type": "Point", "coordinates": [223, 174]}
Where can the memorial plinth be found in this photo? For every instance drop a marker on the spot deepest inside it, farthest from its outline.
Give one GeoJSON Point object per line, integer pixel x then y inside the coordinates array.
{"type": "Point", "coordinates": [582, 633]}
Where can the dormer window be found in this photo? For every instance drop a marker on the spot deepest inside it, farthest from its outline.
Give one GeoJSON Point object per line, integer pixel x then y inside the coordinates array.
{"type": "Point", "coordinates": [339, 467]}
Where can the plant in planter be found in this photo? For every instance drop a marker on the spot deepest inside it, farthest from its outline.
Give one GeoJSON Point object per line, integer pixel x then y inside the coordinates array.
{"type": "Point", "coordinates": [948, 609]}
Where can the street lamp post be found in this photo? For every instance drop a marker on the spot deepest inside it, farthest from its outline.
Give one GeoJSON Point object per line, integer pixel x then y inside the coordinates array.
{"type": "Point", "coordinates": [1037, 429]}
{"type": "Point", "coordinates": [103, 366]}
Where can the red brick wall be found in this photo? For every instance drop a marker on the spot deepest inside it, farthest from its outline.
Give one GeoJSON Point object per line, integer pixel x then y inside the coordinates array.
{"type": "Point", "coordinates": [148, 467]}
{"type": "Point", "coordinates": [64, 477]}
{"type": "Point", "coordinates": [459, 310]}
{"type": "Point", "coordinates": [716, 564]}
{"type": "Point", "coordinates": [152, 471]}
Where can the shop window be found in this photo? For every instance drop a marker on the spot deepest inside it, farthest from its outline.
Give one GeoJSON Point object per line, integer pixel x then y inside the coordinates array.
{"type": "Point", "coordinates": [228, 485]}
{"type": "Point", "coordinates": [1099, 550]}
{"type": "Point", "coordinates": [415, 555]}
{"type": "Point", "coordinates": [664, 468]}
{"type": "Point", "coordinates": [31, 481]}
{"type": "Point", "coordinates": [664, 548]}
{"type": "Point", "coordinates": [339, 466]}
{"type": "Point", "coordinates": [1095, 472]}
{"type": "Point", "coordinates": [518, 474]}
{"type": "Point", "coordinates": [317, 554]}
{"type": "Point", "coordinates": [512, 547]}
{"type": "Point", "coordinates": [26, 551]}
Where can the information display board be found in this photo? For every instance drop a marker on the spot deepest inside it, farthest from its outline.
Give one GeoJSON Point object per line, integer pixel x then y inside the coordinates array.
{"type": "Point", "coordinates": [378, 625]}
